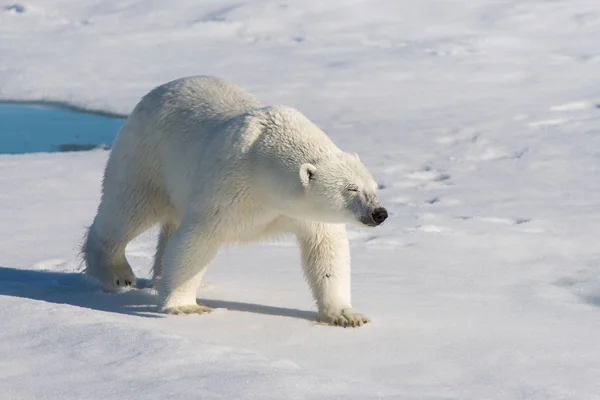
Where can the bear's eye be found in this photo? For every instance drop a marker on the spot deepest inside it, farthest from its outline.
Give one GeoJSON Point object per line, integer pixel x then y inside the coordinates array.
{"type": "Point", "coordinates": [352, 188]}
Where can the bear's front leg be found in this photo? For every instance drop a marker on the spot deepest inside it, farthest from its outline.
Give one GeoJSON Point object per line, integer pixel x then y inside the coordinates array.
{"type": "Point", "coordinates": [186, 258]}
{"type": "Point", "coordinates": [325, 255]}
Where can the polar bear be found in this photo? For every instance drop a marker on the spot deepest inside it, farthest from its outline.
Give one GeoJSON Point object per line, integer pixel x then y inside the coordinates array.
{"type": "Point", "coordinates": [212, 165]}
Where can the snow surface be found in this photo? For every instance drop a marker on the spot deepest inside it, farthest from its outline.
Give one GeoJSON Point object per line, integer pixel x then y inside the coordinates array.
{"type": "Point", "coordinates": [478, 118]}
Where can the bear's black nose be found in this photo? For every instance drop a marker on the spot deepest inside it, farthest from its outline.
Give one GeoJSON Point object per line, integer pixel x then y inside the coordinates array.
{"type": "Point", "coordinates": [379, 215]}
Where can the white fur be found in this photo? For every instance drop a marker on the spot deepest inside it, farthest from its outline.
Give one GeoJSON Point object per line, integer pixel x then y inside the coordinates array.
{"type": "Point", "coordinates": [213, 166]}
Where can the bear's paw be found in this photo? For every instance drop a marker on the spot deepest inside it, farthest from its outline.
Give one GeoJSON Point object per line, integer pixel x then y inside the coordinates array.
{"type": "Point", "coordinates": [187, 309]}
{"type": "Point", "coordinates": [346, 318]}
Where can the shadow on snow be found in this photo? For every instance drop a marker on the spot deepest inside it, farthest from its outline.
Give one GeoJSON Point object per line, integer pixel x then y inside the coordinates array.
{"type": "Point", "coordinates": [77, 290]}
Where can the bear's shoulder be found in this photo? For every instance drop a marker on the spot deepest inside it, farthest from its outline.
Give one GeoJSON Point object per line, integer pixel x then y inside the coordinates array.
{"type": "Point", "coordinates": [288, 123]}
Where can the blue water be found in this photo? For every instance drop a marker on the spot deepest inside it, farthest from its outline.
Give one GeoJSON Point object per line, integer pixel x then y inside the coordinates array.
{"type": "Point", "coordinates": [32, 129]}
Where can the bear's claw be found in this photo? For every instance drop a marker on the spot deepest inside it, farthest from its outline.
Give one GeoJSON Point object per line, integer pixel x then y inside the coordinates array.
{"type": "Point", "coordinates": [119, 283]}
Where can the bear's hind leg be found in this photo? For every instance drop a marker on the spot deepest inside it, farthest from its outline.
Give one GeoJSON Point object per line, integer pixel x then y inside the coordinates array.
{"type": "Point", "coordinates": [121, 217]}
{"type": "Point", "coordinates": [185, 260]}
{"type": "Point", "coordinates": [104, 263]}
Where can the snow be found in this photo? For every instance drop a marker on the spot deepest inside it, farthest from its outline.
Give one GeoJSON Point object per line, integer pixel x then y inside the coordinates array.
{"type": "Point", "coordinates": [479, 120]}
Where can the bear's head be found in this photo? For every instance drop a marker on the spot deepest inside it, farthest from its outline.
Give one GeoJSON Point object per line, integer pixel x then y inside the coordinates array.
{"type": "Point", "coordinates": [340, 189]}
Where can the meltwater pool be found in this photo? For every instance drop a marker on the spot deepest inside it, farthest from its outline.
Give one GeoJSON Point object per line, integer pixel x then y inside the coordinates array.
{"type": "Point", "coordinates": [37, 128]}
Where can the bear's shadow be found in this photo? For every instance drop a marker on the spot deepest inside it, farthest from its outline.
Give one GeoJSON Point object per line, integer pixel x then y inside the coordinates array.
{"type": "Point", "coordinates": [75, 289]}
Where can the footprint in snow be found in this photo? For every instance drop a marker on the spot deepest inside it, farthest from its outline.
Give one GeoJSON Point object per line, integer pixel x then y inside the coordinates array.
{"type": "Point", "coordinates": [574, 106]}
{"type": "Point", "coordinates": [494, 153]}
{"type": "Point", "coordinates": [548, 123]}
{"type": "Point", "coordinates": [54, 264]}
{"type": "Point", "coordinates": [427, 174]}
{"type": "Point", "coordinates": [458, 136]}
{"type": "Point", "coordinates": [585, 283]}
{"type": "Point", "coordinates": [497, 220]}
{"type": "Point", "coordinates": [566, 108]}
{"type": "Point", "coordinates": [15, 8]}
{"type": "Point", "coordinates": [444, 201]}
{"type": "Point", "coordinates": [435, 229]}
{"type": "Point", "coordinates": [220, 14]}
{"type": "Point", "coordinates": [424, 178]}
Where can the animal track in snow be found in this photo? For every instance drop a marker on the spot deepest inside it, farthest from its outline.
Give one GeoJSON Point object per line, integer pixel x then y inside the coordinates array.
{"type": "Point", "coordinates": [54, 264]}
{"type": "Point", "coordinates": [430, 228]}
{"type": "Point", "coordinates": [425, 177]}
{"type": "Point", "coordinates": [547, 123]}
{"type": "Point", "coordinates": [42, 14]}
{"type": "Point", "coordinates": [479, 148]}
{"type": "Point", "coordinates": [396, 168]}
{"type": "Point", "coordinates": [445, 201]}
{"type": "Point", "coordinates": [456, 136]}
{"type": "Point", "coordinates": [428, 174]}
{"type": "Point", "coordinates": [584, 284]}
{"type": "Point", "coordinates": [220, 14]}
{"type": "Point", "coordinates": [566, 108]}
{"type": "Point", "coordinates": [497, 220]}
{"type": "Point", "coordinates": [494, 153]}
{"type": "Point", "coordinates": [574, 106]}
{"type": "Point", "coordinates": [15, 8]}
{"type": "Point", "coordinates": [433, 200]}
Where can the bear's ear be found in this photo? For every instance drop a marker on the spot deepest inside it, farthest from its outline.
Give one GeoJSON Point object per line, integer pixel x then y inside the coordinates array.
{"type": "Point", "coordinates": [356, 155]}
{"type": "Point", "coordinates": [307, 172]}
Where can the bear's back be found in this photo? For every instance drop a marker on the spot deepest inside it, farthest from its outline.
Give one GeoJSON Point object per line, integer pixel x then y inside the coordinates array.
{"type": "Point", "coordinates": [185, 116]}
{"type": "Point", "coordinates": [202, 99]}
